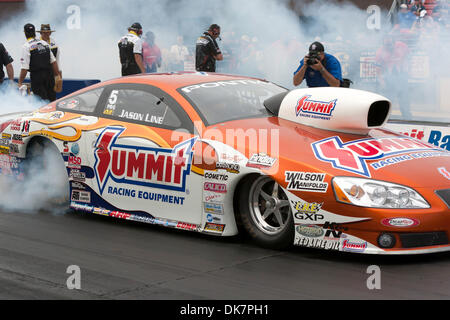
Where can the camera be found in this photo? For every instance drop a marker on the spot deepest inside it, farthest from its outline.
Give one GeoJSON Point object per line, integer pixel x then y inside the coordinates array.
{"type": "Point", "coordinates": [313, 57]}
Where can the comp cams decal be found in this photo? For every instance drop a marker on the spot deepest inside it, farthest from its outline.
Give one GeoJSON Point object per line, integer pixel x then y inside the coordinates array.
{"type": "Point", "coordinates": [143, 166]}
{"type": "Point", "coordinates": [353, 156]}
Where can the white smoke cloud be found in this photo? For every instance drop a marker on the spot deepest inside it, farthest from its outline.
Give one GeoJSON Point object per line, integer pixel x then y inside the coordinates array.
{"type": "Point", "coordinates": [43, 187]}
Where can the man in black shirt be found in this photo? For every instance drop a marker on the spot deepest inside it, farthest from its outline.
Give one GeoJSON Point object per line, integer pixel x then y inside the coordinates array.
{"type": "Point", "coordinates": [6, 60]}
{"type": "Point", "coordinates": [38, 59]}
{"type": "Point", "coordinates": [207, 51]}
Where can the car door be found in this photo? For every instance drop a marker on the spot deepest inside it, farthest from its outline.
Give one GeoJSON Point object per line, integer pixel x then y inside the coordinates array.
{"type": "Point", "coordinates": [141, 155]}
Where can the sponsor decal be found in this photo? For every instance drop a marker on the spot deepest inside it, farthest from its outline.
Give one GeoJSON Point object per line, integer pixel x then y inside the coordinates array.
{"type": "Point", "coordinates": [120, 215]}
{"type": "Point", "coordinates": [209, 85]}
{"type": "Point", "coordinates": [212, 197]}
{"type": "Point", "coordinates": [333, 230]}
{"type": "Point", "coordinates": [77, 185]}
{"type": "Point", "coordinates": [165, 222]}
{"type": "Point", "coordinates": [74, 162]}
{"type": "Point", "coordinates": [229, 167]}
{"type": "Point", "coordinates": [149, 167]}
{"type": "Point", "coordinates": [4, 142]}
{"type": "Point", "coordinates": [307, 211]}
{"type": "Point", "coordinates": [75, 149]}
{"type": "Point", "coordinates": [212, 218]}
{"type": "Point", "coordinates": [81, 196]}
{"type": "Point", "coordinates": [215, 187]}
{"type": "Point", "coordinates": [214, 227]}
{"type": "Point", "coordinates": [306, 181]}
{"type": "Point", "coordinates": [13, 148]}
{"type": "Point", "coordinates": [261, 160]}
{"type": "Point", "coordinates": [77, 175]}
{"type": "Point", "coordinates": [20, 126]}
{"type": "Point", "coordinates": [310, 230]}
{"type": "Point", "coordinates": [444, 172]}
{"type": "Point", "coordinates": [187, 226]}
{"type": "Point", "coordinates": [347, 245]}
{"type": "Point", "coordinates": [82, 207]}
{"type": "Point", "coordinates": [400, 222]}
{"type": "Point", "coordinates": [17, 138]}
{"type": "Point", "coordinates": [438, 139]}
{"type": "Point", "coordinates": [152, 196]}
{"type": "Point", "coordinates": [71, 104]}
{"type": "Point", "coordinates": [231, 158]}
{"type": "Point", "coordinates": [314, 109]}
{"type": "Point", "coordinates": [353, 156]}
{"type": "Point", "coordinates": [216, 176]}
{"type": "Point", "coordinates": [100, 211]}
{"type": "Point", "coordinates": [213, 208]}
{"type": "Point", "coordinates": [4, 150]}
{"type": "Point", "coordinates": [6, 136]}
{"type": "Point", "coordinates": [390, 161]}
{"type": "Point", "coordinates": [317, 243]}
{"type": "Point", "coordinates": [415, 133]}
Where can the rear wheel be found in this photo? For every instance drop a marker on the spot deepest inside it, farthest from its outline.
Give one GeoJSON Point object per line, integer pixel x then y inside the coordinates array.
{"type": "Point", "coordinates": [265, 212]}
{"type": "Point", "coordinates": [46, 173]}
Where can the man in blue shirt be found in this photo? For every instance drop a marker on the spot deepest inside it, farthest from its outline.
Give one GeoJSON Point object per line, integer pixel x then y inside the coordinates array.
{"type": "Point", "coordinates": [405, 17]}
{"type": "Point", "coordinates": [320, 69]}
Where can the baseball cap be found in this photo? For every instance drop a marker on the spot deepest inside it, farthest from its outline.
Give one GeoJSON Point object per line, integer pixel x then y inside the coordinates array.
{"type": "Point", "coordinates": [29, 28]}
{"type": "Point", "coordinates": [403, 6]}
{"type": "Point", "coordinates": [136, 26]}
{"type": "Point", "coordinates": [316, 46]}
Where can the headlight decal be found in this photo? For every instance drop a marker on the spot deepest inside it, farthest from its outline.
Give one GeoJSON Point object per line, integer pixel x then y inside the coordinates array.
{"type": "Point", "coordinates": [377, 194]}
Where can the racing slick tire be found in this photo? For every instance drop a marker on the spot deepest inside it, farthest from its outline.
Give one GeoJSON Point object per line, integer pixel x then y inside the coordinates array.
{"type": "Point", "coordinates": [44, 166]}
{"type": "Point", "coordinates": [265, 212]}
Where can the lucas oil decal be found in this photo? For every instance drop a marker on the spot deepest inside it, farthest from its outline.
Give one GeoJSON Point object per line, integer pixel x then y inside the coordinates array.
{"type": "Point", "coordinates": [353, 156]}
{"type": "Point", "coordinates": [314, 109]}
{"type": "Point", "coordinates": [144, 166]}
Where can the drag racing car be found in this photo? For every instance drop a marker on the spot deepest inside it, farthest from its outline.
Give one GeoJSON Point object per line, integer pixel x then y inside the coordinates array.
{"type": "Point", "coordinates": [223, 154]}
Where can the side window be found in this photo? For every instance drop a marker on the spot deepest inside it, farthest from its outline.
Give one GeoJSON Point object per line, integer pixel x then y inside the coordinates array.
{"type": "Point", "coordinates": [85, 102]}
{"type": "Point", "coordinates": [140, 106]}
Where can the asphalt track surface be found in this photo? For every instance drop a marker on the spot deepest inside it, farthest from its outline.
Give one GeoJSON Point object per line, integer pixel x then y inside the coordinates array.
{"type": "Point", "coordinates": [127, 260]}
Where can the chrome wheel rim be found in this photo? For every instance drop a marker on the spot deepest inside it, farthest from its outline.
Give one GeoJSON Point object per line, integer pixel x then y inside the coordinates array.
{"type": "Point", "coordinates": [269, 206]}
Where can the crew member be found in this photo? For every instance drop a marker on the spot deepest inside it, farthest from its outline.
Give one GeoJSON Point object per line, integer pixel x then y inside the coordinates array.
{"type": "Point", "coordinates": [6, 60]}
{"type": "Point", "coordinates": [46, 32]}
{"type": "Point", "coordinates": [207, 51]}
{"type": "Point", "coordinates": [130, 51]}
{"type": "Point", "coordinates": [320, 69]}
{"type": "Point", "coordinates": [40, 61]}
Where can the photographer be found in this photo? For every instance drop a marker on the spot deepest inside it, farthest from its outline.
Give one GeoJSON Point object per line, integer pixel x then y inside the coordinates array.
{"type": "Point", "coordinates": [320, 69]}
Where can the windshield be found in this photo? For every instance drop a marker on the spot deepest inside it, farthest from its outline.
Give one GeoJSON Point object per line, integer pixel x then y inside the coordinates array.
{"type": "Point", "coordinates": [231, 100]}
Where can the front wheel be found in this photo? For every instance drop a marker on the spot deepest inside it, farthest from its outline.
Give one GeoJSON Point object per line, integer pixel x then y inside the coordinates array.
{"type": "Point", "coordinates": [265, 212]}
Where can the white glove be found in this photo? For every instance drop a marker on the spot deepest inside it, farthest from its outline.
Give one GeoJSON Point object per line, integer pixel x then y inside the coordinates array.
{"type": "Point", "coordinates": [23, 89]}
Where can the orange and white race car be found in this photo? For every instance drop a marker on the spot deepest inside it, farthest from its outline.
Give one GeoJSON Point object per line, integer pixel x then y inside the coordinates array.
{"type": "Point", "coordinates": [224, 154]}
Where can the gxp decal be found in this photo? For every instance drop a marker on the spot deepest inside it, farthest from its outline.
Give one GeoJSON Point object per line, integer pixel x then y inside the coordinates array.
{"type": "Point", "coordinates": [144, 166]}
{"type": "Point", "coordinates": [353, 156]}
{"type": "Point", "coordinates": [312, 108]}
